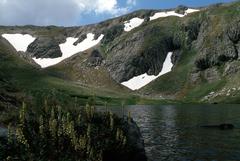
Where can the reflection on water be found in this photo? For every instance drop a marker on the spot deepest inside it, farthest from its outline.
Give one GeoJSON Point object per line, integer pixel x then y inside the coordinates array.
{"type": "Point", "coordinates": [173, 132]}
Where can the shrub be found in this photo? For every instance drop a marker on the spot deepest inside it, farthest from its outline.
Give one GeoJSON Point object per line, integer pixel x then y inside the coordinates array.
{"type": "Point", "coordinates": [55, 134]}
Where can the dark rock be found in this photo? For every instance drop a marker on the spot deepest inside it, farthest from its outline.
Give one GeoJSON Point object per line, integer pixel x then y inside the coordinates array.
{"type": "Point", "coordinates": [95, 59]}
{"type": "Point", "coordinates": [221, 126]}
{"type": "Point", "coordinates": [45, 47]}
{"type": "Point", "coordinates": [135, 150]}
{"type": "Point", "coordinates": [81, 38]}
{"type": "Point", "coordinates": [181, 9]}
{"type": "Point", "coordinates": [96, 36]}
{"type": "Point", "coordinates": [112, 33]}
{"type": "Point", "coordinates": [202, 63]}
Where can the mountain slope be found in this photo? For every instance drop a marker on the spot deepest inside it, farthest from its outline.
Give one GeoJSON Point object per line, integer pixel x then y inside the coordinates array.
{"type": "Point", "coordinates": [205, 46]}
{"type": "Point", "coordinates": [21, 81]}
{"type": "Point", "coordinates": [207, 68]}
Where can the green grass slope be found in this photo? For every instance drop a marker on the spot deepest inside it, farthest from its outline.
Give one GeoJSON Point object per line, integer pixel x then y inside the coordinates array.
{"type": "Point", "coordinates": [20, 81]}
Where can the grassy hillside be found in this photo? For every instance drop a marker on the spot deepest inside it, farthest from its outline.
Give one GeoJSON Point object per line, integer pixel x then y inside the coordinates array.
{"type": "Point", "coordinates": [20, 81]}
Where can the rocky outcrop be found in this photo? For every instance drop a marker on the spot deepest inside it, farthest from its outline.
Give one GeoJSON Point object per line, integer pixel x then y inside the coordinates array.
{"type": "Point", "coordinates": [112, 33]}
{"type": "Point", "coordinates": [143, 52]}
{"type": "Point", "coordinates": [121, 61]}
{"type": "Point", "coordinates": [44, 47]}
{"type": "Point", "coordinates": [221, 126]}
{"type": "Point", "coordinates": [220, 47]}
{"type": "Point", "coordinates": [181, 9]}
{"type": "Point", "coordinates": [134, 151]}
{"type": "Point", "coordinates": [95, 59]}
{"type": "Point", "coordinates": [81, 38]}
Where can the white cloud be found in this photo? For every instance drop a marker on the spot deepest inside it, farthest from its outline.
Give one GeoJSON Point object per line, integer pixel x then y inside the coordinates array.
{"type": "Point", "coordinates": [131, 2]}
{"type": "Point", "coordinates": [54, 12]}
{"type": "Point", "coordinates": [101, 6]}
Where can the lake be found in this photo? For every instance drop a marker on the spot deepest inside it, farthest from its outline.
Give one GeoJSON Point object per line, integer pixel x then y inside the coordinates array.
{"type": "Point", "coordinates": [173, 132]}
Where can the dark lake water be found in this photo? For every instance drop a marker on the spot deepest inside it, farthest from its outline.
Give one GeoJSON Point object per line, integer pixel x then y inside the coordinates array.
{"type": "Point", "coordinates": [173, 132]}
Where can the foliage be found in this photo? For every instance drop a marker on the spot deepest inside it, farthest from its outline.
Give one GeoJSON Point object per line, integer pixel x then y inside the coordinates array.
{"type": "Point", "coordinates": [56, 134]}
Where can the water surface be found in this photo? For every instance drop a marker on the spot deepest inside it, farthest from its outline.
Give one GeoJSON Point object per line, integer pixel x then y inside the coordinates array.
{"type": "Point", "coordinates": [173, 132]}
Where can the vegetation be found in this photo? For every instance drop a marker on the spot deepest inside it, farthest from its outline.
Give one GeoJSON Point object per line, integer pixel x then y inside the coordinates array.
{"type": "Point", "coordinates": [53, 133]}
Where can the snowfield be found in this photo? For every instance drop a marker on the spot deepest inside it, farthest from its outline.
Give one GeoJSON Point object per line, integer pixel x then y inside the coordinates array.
{"type": "Point", "coordinates": [133, 23]}
{"type": "Point", "coordinates": [190, 10]}
{"type": "Point", "coordinates": [165, 14]}
{"type": "Point", "coordinates": [171, 13]}
{"type": "Point", "coordinates": [68, 50]}
{"type": "Point", "coordinates": [19, 41]}
{"type": "Point", "coordinates": [136, 22]}
{"type": "Point", "coordinates": [142, 80]}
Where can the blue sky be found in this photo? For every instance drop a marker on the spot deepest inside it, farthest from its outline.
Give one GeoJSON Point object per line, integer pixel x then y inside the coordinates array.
{"type": "Point", "coordinates": [149, 4]}
{"type": "Point", "coordinates": [80, 12]}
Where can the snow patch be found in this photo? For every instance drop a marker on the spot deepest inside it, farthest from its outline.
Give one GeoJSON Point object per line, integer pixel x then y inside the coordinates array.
{"type": "Point", "coordinates": [165, 14]}
{"type": "Point", "coordinates": [190, 10]}
{"type": "Point", "coordinates": [19, 41]}
{"type": "Point", "coordinates": [171, 13]}
{"type": "Point", "coordinates": [133, 23]}
{"type": "Point", "coordinates": [142, 80]}
{"type": "Point", "coordinates": [68, 49]}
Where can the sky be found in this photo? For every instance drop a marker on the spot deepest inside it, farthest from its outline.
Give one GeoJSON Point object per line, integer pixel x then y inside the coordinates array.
{"type": "Point", "coordinates": [80, 12]}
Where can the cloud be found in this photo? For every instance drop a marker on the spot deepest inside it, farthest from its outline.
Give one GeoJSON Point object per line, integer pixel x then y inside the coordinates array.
{"type": "Point", "coordinates": [100, 6]}
{"type": "Point", "coordinates": [132, 2]}
{"type": "Point", "coordinates": [54, 12]}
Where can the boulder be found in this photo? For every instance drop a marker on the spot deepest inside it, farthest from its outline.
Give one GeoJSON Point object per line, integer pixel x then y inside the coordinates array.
{"type": "Point", "coordinates": [220, 126]}
{"type": "Point", "coordinates": [135, 148]}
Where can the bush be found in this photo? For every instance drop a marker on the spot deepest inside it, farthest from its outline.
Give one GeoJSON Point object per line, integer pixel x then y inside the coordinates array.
{"type": "Point", "coordinates": [55, 134]}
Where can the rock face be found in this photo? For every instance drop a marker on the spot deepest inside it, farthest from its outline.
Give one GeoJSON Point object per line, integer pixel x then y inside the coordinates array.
{"type": "Point", "coordinates": [221, 47]}
{"type": "Point", "coordinates": [135, 151]}
{"type": "Point", "coordinates": [143, 52]}
{"type": "Point", "coordinates": [217, 45]}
